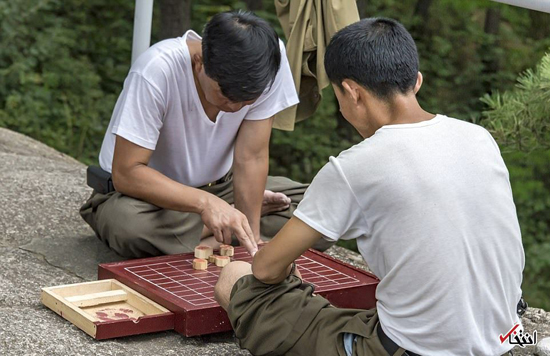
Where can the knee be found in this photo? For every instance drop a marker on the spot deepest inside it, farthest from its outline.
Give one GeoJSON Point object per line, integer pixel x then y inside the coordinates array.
{"type": "Point", "coordinates": [131, 242]}
{"type": "Point", "coordinates": [124, 232]}
{"type": "Point", "coordinates": [229, 275]}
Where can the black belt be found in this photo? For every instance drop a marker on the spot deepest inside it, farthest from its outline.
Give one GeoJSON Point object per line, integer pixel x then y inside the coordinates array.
{"type": "Point", "coordinates": [223, 179]}
{"type": "Point", "coordinates": [388, 344]}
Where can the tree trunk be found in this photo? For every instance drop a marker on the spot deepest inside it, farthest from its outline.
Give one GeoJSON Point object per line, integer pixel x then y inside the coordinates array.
{"type": "Point", "coordinates": [540, 24]}
{"type": "Point", "coordinates": [489, 54]}
{"type": "Point", "coordinates": [422, 9]}
{"type": "Point", "coordinates": [254, 5]}
{"type": "Point", "coordinates": [421, 15]}
{"type": "Point", "coordinates": [175, 18]}
{"type": "Point", "coordinates": [492, 21]}
{"type": "Point", "coordinates": [362, 7]}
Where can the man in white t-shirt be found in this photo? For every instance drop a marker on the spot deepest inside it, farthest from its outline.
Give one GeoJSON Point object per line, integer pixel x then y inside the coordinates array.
{"type": "Point", "coordinates": [188, 143]}
{"type": "Point", "coordinates": [429, 201]}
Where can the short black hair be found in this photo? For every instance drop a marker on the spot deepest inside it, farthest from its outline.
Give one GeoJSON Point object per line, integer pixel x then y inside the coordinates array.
{"type": "Point", "coordinates": [377, 53]}
{"type": "Point", "coordinates": [241, 52]}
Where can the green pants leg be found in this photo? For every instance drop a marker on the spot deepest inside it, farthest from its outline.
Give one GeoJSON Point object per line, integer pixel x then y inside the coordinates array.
{"type": "Point", "coordinates": [134, 228]}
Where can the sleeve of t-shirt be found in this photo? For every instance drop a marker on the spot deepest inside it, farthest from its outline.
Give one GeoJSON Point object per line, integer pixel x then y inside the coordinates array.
{"type": "Point", "coordinates": [139, 112]}
{"type": "Point", "coordinates": [281, 95]}
{"type": "Point", "coordinates": [330, 206]}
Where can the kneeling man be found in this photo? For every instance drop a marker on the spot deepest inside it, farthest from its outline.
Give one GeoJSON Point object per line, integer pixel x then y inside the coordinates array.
{"type": "Point", "coordinates": [188, 143]}
{"type": "Point", "coordinates": [428, 199]}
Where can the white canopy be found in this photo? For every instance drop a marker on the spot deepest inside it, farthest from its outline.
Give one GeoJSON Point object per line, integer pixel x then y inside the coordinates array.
{"type": "Point", "coordinates": [539, 5]}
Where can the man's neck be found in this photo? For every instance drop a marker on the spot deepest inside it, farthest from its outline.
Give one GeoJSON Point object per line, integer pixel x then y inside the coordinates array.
{"type": "Point", "coordinates": [403, 110]}
{"type": "Point", "coordinates": [195, 47]}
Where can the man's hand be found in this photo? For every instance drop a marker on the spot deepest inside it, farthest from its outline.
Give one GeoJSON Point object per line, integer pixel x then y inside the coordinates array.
{"type": "Point", "coordinates": [224, 221]}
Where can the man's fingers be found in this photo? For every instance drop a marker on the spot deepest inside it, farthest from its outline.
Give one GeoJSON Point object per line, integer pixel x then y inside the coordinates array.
{"type": "Point", "coordinates": [248, 230]}
{"type": "Point", "coordinates": [227, 236]}
{"type": "Point", "coordinates": [250, 234]}
{"type": "Point", "coordinates": [218, 235]}
{"type": "Point", "coordinates": [247, 241]}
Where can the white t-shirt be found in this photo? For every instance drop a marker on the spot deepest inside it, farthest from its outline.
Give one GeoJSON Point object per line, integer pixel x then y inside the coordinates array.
{"type": "Point", "coordinates": [431, 207]}
{"type": "Point", "coordinates": [159, 109]}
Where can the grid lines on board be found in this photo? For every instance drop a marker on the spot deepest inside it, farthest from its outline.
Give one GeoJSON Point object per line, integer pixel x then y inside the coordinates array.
{"type": "Point", "coordinates": [178, 278]}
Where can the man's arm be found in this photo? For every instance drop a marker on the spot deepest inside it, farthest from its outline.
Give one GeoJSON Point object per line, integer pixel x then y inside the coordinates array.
{"type": "Point", "coordinates": [272, 263]}
{"type": "Point", "coordinates": [132, 177]}
{"type": "Point", "coordinates": [250, 167]}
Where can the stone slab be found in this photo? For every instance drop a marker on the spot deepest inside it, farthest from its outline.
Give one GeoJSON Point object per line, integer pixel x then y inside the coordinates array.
{"type": "Point", "coordinates": [39, 331]}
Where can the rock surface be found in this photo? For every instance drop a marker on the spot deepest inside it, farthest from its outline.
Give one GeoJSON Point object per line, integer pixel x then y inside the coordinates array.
{"type": "Point", "coordinates": [44, 242]}
{"type": "Point", "coordinates": [543, 347]}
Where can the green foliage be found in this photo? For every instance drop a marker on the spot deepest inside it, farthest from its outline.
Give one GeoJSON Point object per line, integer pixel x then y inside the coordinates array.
{"type": "Point", "coordinates": [519, 121]}
{"type": "Point", "coordinates": [519, 117]}
{"type": "Point", "coordinates": [301, 153]}
{"type": "Point", "coordinates": [530, 179]}
{"type": "Point", "coordinates": [60, 70]}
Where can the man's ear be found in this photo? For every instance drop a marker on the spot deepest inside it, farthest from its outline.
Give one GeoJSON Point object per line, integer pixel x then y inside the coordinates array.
{"type": "Point", "coordinates": [349, 87]}
{"type": "Point", "coordinates": [419, 80]}
{"type": "Point", "coordinates": [197, 62]}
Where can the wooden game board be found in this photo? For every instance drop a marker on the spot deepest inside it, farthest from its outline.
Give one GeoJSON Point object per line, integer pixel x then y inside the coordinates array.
{"type": "Point", "coordinates": [173, 283]}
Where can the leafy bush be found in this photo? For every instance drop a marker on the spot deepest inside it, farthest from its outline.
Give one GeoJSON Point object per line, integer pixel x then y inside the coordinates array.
{"type": "Point", "coordinates": [61, 69]}
{"type": "Point", "coordinates": [519, 117]}
{"type": "Point", "coordinates": [519, 120]}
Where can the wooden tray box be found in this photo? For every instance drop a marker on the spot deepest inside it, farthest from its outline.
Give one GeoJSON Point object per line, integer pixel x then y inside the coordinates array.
{"type": "Point", "coordinates": [107, 308]}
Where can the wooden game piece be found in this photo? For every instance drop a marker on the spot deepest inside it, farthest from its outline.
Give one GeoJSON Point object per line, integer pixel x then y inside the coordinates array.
{"type": "Point", "coordinates": [203, 252]}
{"type": "Point", "coordinates": [200, 264]}
{"type": "Point", "coordinates": [212, 258]}
{"type": "Point", "coordinates": [226, 250]}
{"type": "Point", "coordinates": [222, 261]}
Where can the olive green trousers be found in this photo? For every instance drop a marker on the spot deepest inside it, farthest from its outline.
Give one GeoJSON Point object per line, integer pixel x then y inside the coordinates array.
{"type": "Point", "coordinates": [134, 228]}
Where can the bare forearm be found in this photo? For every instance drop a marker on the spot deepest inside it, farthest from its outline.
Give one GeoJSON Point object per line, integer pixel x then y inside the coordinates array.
{"type": "Point", "coordinates": [249, 178]}
{"type": "Point", "coordinates": [276, 278]}
{"type": "Point", "coordinates": [272, 263]}
{"type": "Point", "coordinates": [145, 183]}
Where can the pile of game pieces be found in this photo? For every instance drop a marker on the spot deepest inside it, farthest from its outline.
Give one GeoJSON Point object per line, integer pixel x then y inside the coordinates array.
{"type": "Point", "coordinates": [205, 254]}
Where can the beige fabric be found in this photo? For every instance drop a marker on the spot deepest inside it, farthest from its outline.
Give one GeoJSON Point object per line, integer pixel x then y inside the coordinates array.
{"type": "Point", "coordinates": [308, 26]}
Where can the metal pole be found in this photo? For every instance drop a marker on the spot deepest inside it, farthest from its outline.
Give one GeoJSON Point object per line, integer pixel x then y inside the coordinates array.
{"type": "Point", "coordinates": [143, 18]}
{"type": "Point", "coordinates": [539, 5]}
